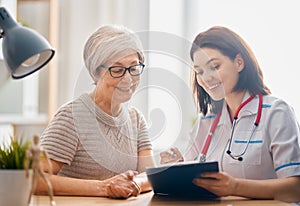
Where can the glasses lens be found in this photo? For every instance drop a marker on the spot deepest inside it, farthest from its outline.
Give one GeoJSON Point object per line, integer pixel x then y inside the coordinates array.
{"type": "Point", "coordinates": [117, 71]}
{"type": "Point", "coordinates": [136, 69]}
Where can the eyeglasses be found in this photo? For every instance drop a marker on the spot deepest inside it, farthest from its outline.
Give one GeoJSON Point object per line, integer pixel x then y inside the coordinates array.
{"type": "Point", "coordinates": [119, 71]}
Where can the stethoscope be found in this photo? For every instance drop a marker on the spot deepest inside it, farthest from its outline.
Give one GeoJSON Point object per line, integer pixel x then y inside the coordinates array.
{"type": "Point", "coordinates": [202, 155]}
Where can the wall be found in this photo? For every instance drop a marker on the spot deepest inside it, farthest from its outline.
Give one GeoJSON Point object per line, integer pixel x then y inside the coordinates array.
{"type": "Point", "coordinates": [270, 28]}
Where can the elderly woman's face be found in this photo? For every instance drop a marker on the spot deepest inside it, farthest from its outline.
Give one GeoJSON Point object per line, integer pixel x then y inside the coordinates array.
{"type": "Point", "coordinates": [119, 90]}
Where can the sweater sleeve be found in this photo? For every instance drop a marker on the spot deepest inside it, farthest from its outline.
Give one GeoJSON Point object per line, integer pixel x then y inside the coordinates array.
{"type": "Point", "coordinates": [60, 138]}
{"type": "Point", "coordinates": [143, 135]}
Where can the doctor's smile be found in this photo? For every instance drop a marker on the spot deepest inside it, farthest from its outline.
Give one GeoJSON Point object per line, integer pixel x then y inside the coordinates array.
{"type": "Point", "coordinates": [214, 86]}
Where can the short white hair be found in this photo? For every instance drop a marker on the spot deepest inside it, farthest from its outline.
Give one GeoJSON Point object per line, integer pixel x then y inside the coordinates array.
{"type": "Point", "coordinates": [107, 42]}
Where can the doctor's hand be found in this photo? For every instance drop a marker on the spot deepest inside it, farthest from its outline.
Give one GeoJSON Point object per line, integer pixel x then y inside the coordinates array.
{"type": "Point", "coordinates": [123, 185]}
{"type": "Point", "coordinates": [219, 183]}
{"type": "Point", "coordinates": [170, 156]}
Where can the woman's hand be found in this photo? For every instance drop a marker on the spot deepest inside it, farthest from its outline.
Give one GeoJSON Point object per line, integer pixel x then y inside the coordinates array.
{"type": "Point", "coordinates": [170, 157]}
{"type": "Point", "coordinates": [219, 183]}
{"type": "Point", "coordinates": [123, 185]}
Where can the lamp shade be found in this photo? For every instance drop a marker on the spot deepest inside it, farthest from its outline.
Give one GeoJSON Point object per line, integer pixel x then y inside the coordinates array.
{"type": "Point", "coordinates": [24, 50]}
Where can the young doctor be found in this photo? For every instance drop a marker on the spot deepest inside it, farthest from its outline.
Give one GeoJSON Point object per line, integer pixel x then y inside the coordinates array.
{"type": "Point", "coordinates": [254, 136]}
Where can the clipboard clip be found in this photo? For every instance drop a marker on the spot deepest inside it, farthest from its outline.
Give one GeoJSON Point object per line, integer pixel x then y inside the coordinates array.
{"type": "Point", "coordinates": [201, 158]}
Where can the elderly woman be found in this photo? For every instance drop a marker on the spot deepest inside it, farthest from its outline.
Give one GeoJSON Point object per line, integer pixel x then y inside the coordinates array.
{"type": "Point", "coordinates": [98, 145]}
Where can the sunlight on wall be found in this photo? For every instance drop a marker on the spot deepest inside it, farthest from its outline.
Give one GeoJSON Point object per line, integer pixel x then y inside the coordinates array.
{"type": "Point", "coordinates": [6, 132]}
{"type": "Point", "coordinates": [269, 27]}
{"type": "Point", "coordinates": [272, 31]}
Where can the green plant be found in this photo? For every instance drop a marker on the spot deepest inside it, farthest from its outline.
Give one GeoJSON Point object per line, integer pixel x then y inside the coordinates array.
{"type": "Point", "coordinates": [13, 156]}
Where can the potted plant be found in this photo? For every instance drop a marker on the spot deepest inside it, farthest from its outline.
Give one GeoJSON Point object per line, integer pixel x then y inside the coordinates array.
{"type": "Point", "coordinates": [15, 186]}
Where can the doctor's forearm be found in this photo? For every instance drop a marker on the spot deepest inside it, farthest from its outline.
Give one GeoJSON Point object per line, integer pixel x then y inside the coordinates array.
{"type": "Point", "coordinates": [284, 189]}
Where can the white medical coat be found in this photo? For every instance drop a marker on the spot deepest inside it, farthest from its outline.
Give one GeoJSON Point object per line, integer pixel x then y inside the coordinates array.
{"type": "Point", "coordinates": [273, 151]}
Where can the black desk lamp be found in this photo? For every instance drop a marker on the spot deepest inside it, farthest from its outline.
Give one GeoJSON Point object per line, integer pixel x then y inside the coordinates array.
{"type": "Point", "coordinates": [24, 50]}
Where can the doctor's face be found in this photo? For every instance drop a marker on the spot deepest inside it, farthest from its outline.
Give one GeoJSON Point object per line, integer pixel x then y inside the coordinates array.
{"type": "Point", "coordinates": [216, 73]}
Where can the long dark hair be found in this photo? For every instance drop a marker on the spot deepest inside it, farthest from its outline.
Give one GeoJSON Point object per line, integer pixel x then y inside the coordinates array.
{"type": "Point", "coordinates": [229, 44]}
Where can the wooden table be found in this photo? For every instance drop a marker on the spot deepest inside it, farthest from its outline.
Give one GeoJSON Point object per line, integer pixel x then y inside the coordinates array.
{"type": "Point", "coordinates": [148, 199]}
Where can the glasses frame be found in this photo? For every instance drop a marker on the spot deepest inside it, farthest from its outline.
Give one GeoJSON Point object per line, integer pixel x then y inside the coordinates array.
{"type": "Point", "coordinates": [125, 69]}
